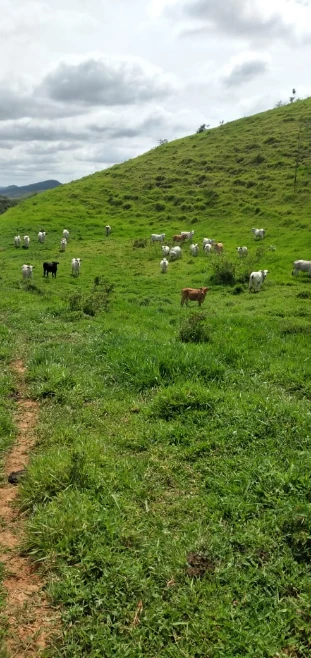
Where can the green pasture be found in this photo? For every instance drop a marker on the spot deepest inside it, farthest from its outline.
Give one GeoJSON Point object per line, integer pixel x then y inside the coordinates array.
{"type": "Point", "coordinates": [168, 500]}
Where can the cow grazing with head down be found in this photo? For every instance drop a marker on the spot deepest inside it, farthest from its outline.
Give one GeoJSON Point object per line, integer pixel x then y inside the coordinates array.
{"type": "Point", "coordinates": [194, 294]}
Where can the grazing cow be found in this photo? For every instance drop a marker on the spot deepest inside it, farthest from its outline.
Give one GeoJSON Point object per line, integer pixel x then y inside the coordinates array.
{"type": "Point", "coordinates": [242, 251]}
{"type": "Point", "coordinates": [207, 241]}
{"type": "Point", "coordinates": [194, 294]}
{"type": "Point", "coordinates": [26, 241]}
{"type": "Point", "coordinates": [41, 236]}
{"type": "Point", "coordinates": [63, 244]}
{"type": "Point", "coordinates": [208, 248]}
{"type": "Point", "coordinates": [165, 250]}
{"type": "Point", "coordinates": [108, 230]}
{"type": "Point", "coordinates": [218, 247]}
{"type": "Point", "coordinates": [65, 234]}
{"type": "Point", "coordinates": [302, 266]}
{"type": "Point", "coordinates": [50, 267]}
{"type": "Point", "coordinates": [194, 249]}
{"type": "Point", "coordinates": [75, 266]}
{"type": "Point", "coordinates": [189, 234]}
{"type": "Point", "coordinates": [259, 233]}
{"type": "Point", "coordinates": [27, 271]}
{"type": "Point", "coordinates": [157, 237]}
{"type": "Point", "coordinates": [17, 241]}
{"type": "Point", "coordinates": [175, 253]}
{"type": "Point", "coordinates": [164, 265]}
{"type": "Point", "coordinates": [256, 280]}
{"type": "Point", "coordinates": [179, 237]}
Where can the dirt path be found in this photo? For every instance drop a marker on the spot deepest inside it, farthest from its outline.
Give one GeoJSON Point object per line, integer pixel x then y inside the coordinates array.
{"type": "Point", "coordinates": [30, 620]}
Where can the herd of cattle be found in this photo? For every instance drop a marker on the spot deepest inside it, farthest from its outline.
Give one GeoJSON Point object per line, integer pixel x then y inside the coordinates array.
{"type": "Point", "coordinates": [256, 279]}
{"type": "Point", "coordinates": [48, 266]}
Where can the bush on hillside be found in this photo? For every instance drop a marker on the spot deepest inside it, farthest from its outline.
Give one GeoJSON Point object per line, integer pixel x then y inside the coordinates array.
{"type": "Point", "coordinates": [140, 243]}
{"type": "Point", "coordinates": [194, 329]}
{"type": "Point", "coordinates": [95, 302]}
{"type": "Point", "coordinates": [224, 272]}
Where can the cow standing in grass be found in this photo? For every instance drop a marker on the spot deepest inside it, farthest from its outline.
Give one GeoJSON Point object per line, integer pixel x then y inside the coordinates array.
{"type": "Point", "coordinates": [194, 294]}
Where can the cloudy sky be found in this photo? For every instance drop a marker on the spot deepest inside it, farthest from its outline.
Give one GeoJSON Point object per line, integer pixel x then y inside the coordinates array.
{"type": "Point", "coordinates": [85, 84]}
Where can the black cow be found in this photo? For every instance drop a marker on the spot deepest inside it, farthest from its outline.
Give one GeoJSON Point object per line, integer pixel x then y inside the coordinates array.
{"type": "Point", "coordinates": [50, 267]}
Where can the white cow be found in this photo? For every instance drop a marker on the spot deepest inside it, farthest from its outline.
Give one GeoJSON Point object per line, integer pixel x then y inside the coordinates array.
{"type": "Point", "coordinates": [164, 265]}
{"type": "Point", "coordinates": [256, 280]}
{"type": "Point", "coordinates": [207, 241]}
{"type": "Point", "coordinates": [175, 253]}
{"type": "Point", "coordinates": [302, 266]}
{"type": "Point", "coordinates": [189, 234]}
{"type": "Point", "coordinates": [259, 233]}
{"type": "Point", "coordinates": [41, 236]}
{"type": "Point", "coordinates": [208, 248]}
{"type": "Point", "coordinates": [26, 241]}
{"type": "Point", "coordinates": [63, 244]}
{"type": "Point", "coordinates": [75, 266]}
{"type": "Point", "coordinates": [108, 230]}
{"type": "Point", "coordinates": [17, 241]}
{"type": "Point", "coordinates": [242, 251]}
{"type": "Point", "coordinates": [27, 271]}
{"type": "Point", "coordinates": [157, 237]}
{"type": "Point", "coordinates": [165, 250]}
{"type": "Point", "coordinates": [194, 249]}
{"type": "Point", "coordinates": [65, 234]}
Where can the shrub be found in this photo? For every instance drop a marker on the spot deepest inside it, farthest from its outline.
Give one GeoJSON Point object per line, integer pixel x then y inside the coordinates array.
{"type": "Point", "coordinates": [194, 329]}
{"type": "Point", "coordinates": [159, 207]}
{"type": "Point", "coordinates": [140, 243]}
{"type": "Point", "coordinates": [95, 302]}
{"type": "Point", "coordinates": [238, 289]}
{"type": "Point", "coordinates": [224, 273]}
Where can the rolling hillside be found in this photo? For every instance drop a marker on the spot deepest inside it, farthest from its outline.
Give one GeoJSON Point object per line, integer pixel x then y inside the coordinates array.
{"type": "Point", "coordinates": [16, 192]}
{"type": "Point", "coordinates": [167, 500]}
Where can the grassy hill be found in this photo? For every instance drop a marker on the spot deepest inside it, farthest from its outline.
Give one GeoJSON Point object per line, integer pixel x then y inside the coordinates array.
{"type": "Point", "coordinates": [168, 497]}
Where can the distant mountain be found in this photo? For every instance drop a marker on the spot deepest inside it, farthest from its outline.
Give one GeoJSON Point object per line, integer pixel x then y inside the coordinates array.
{"type": "Point", "coordinates": [15, 192]}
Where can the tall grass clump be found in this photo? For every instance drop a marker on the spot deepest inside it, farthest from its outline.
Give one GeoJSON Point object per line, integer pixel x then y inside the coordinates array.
{"type": "Point", "coordinates": [194, 329]}
{"type": "Point", "coordinates": [96, 301]}
{"type": "Point", "coordinates": [224, 272]}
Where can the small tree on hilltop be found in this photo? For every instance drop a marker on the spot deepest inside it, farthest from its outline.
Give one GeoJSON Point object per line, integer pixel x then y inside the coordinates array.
{"type": "Point", "coordinates": [202, 128]}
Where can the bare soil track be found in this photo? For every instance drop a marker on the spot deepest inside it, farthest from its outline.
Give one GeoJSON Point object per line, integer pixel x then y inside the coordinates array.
{"type": "Point", "coordinates": [31, 621]}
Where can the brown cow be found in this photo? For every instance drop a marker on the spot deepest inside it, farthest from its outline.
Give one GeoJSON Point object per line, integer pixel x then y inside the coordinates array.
{"type": "Point", "coordinates": [179, 238]}
{"type": "Point", "coordinates": [194, 294]}
{"type": "Point", "coordinates": [219, 247]}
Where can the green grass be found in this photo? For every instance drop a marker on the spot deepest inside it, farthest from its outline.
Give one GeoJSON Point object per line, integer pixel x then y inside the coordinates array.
{"type": "Point", "coordinates": [152, 448]}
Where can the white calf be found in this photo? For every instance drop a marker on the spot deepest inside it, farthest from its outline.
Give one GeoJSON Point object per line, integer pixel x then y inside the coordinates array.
{"type": "Point", "coordinates": [63, 244]}
{"type": "Point", "coordinates": [242, 251]}
{"type": "Point", "coordinates": [164, 265]}
{"type": "Point", "coordinates": [194, 249]}
{"type": "Point", "coordinates": [256, 280]}
{"type": "Point", "coordinates": [157, 237]}
{"type": "Point", "coordinates": [108, 230]}
{"type": "Point", "coordinates": [41, 236]}
{"type": "Point", "coordinates": [259, 233]}
{"type": "Point", "coordinates": [302, 266]}
{"type": "Point", "coordinates": [175, 253]}
{"type": "Point", "coordinates": [165, 250]}
{"type": "Point", "coordinates": [189, 234]}
{"type": "Point", "coordinates": [207, 241]}
{"type": "Point", "coordinates": [17, 241]}
{"type": "Point", "coordinates": [26, 241]}
{"type": "Point", "coordinates": [75, 266]}
{"type": "Point", "coordinates": [208, 248]}
{"type": "Point", "coordinates": [27, 271]}
{"type": "Point", "coordinates": [65, 234]}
